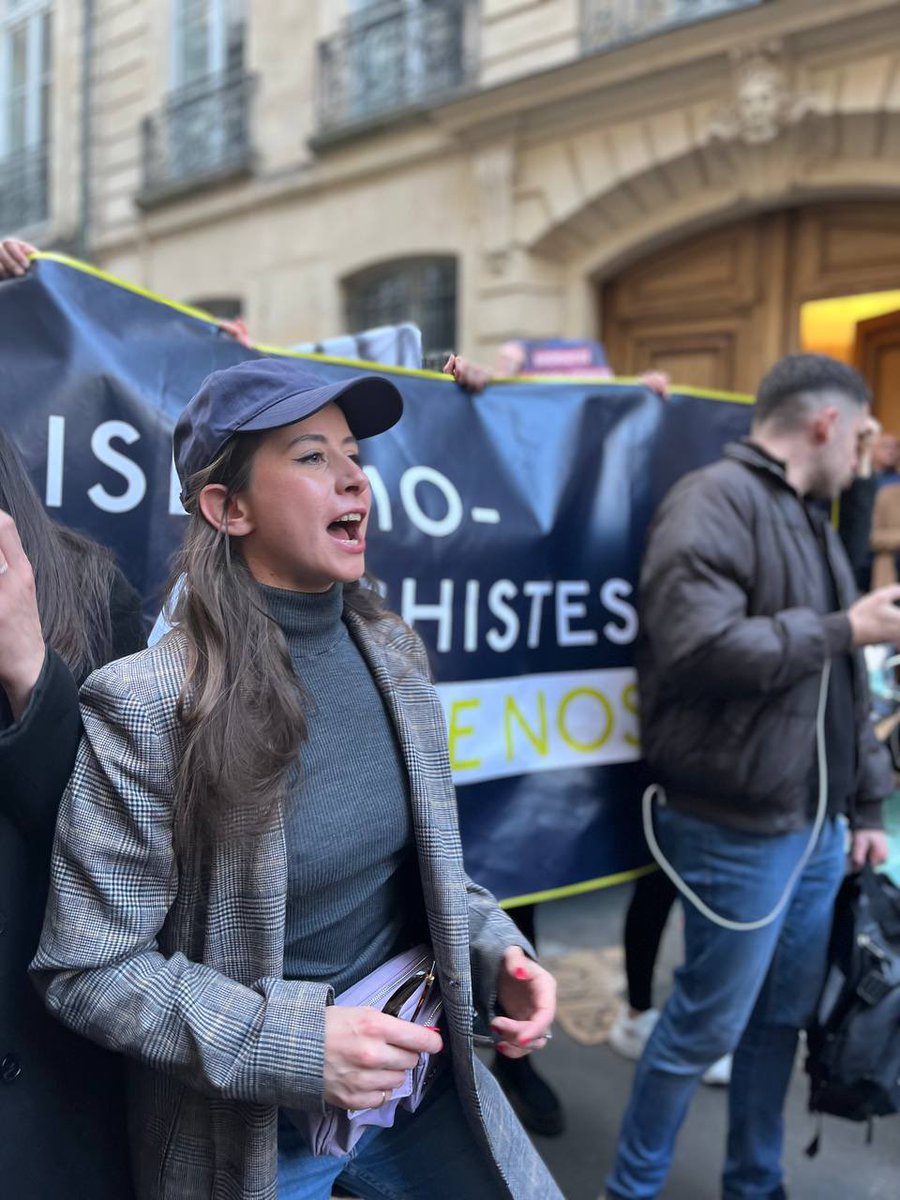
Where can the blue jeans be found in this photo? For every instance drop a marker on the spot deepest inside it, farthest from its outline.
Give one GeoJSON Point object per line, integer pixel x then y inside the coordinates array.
{"type": "Point", "coordinates": [430, 1154]}
{"type": "Point", "coordinates": [749, 993]}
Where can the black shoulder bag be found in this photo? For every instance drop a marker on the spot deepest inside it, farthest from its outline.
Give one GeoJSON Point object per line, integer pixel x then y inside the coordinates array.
{"type": "Point", "coordinates": [854, 1042]}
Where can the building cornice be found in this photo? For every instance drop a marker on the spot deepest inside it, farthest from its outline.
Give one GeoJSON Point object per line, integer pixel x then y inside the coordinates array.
{"type": "Point", "coordinates": [492, 111]}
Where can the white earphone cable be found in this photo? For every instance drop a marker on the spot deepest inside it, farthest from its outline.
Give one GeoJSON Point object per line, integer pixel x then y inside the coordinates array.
{"type": "Point", "coordinates": [656, 789]}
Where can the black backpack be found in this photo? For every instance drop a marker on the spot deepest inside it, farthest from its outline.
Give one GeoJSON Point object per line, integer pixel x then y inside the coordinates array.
{"type": "Point", "coordinates": [854, 1042]}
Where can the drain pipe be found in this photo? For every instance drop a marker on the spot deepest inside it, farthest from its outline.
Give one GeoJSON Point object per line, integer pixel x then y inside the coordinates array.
{"type": "Point", "coordinates": [87, 65]}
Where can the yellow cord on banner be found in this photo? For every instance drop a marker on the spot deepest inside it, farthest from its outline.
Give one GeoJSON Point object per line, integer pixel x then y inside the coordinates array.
{"type": "Point", "coordinates": [208, 319]}
{"type": "Point", "coordinates": [578, 889]}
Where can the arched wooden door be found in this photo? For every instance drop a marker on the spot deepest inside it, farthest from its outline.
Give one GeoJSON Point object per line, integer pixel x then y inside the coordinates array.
{"type": "Point", "coordinates": [716, 310]}
{"type": "Point", "coordinates": [877, 355]}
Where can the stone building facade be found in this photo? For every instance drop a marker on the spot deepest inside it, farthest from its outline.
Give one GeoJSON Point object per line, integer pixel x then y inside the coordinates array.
{"type": "Point", "coordinates": [678, 177]}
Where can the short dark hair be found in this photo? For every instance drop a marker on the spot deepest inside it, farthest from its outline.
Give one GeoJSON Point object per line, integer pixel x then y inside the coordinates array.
{"type": "Point", "coordinates": [797, 383]}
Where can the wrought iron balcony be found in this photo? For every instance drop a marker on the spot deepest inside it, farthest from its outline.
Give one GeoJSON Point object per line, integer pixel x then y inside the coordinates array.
{"type": "Point", "coordinates": [394, 56]}
{"type": "Point", "coordinates": [610, 23]}
{"type": "Point", "coordinates": [202, 136]}
{"type": "Point", "coordinates": [24, 190]}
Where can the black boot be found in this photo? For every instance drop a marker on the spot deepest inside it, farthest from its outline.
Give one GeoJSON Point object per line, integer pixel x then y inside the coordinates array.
{"type": "Point", "coordinates": [535, 1103]}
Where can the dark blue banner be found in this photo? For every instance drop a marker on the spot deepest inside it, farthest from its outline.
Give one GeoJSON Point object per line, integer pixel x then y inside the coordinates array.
{"type": "Point", "coordinates": [507, 526]}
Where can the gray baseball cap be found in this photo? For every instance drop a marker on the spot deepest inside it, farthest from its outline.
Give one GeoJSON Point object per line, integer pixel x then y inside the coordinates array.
{"type": "Point", "coordinates": [266, 393]}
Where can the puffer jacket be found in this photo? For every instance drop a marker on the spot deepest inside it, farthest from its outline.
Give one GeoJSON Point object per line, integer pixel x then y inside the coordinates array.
{"type": "Point", "coordinates": [735, 633]}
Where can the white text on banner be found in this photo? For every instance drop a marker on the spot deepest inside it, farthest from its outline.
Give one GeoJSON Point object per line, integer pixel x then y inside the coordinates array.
{"type": "Point", "coordinates": [501, 727]}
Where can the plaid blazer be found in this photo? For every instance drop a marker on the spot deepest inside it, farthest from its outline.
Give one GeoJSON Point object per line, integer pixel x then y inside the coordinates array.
{"type": "Point", "coordinates": [184, 975]}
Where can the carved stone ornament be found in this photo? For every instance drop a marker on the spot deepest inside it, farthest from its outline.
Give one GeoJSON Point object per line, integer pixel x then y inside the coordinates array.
{"type": "Point", "coordinates": [765, 102]}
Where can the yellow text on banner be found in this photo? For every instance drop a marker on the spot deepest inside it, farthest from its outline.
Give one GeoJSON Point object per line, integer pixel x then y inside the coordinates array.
{"type": "Point", "coordinates": [502, 727]}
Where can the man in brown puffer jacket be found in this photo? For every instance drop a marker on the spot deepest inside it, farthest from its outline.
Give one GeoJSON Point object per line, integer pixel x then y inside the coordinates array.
{"type": "Point", "coordinates": [750, 673]}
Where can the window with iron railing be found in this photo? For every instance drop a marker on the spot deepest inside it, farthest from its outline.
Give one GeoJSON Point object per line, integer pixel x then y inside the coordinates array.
{"type": "Point", "coordinates": [421, 290]}
{"type": "Point", "coordinates": [26, 82]}
{"type": "Point", "coordinates": [609, 23]}
{"type": "Point", "coordinates": [202, 132]}
{"type": "Point", "coordinates": [392, 55]}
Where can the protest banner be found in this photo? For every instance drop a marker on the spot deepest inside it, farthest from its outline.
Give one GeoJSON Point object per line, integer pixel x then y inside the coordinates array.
{"type": "Point", "coordinates": [507, 528]}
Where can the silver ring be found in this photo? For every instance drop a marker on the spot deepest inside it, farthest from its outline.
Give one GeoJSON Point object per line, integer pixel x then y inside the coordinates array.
{"type": "Point", "coordinates": [383, 1099]}
{"type": "Point", "coordinates": [4, 567]}
{"type": "Point", "coordinates": [548, 1036]}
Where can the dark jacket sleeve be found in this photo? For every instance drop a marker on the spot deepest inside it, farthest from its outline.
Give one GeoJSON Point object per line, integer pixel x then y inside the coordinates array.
{"type": "Point", "coordinates": [855, 523]}
{"type": "Point", "coordinates": [875, 780]}
{"type": "Point", "coordinates": [37, 754]}
{"type": "Point", "coordinates": [696, 580]}
{"type": "Point", "coordinates": [129, 629]}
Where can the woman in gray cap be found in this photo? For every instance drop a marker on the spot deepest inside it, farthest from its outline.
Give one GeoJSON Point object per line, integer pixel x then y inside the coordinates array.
{"type": "Point", "coordinates": [262, 822]}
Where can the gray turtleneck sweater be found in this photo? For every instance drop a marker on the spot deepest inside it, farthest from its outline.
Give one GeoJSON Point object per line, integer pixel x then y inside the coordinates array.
{"type": "Point", "coordinates": [354, 893]}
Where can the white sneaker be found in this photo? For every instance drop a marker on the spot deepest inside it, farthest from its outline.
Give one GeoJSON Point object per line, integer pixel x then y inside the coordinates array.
{"type": "Point", "coordinates": [629, 1035]}
{"type": "Point", "coordinates": [719, 1074]}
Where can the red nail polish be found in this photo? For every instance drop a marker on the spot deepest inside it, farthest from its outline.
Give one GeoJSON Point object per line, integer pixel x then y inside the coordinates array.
{"type": "Point", "coordinates": [433, 1028]}
{"type": "Point", "coordinates": [502, 1047]}
{"type": "Point", "coordinates": [520, 973]}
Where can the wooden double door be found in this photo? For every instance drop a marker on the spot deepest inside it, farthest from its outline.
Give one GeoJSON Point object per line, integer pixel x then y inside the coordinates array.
{"type": "Point", "coordinates": [717, 310]}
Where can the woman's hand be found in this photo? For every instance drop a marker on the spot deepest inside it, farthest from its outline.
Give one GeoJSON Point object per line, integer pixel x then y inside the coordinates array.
{"type": "Point", "coordinates": [366, 1053]}
{"type": "Point", "coordinates": [22, 647]}
{"type": "Point", "coordinates": [469, 375]}
{"type": "Point", "coordinates": [527, 995]}
{"type": "Point", "coordinates": [14, 257]}
{"type": "Point", "coordinates": [657, 381]}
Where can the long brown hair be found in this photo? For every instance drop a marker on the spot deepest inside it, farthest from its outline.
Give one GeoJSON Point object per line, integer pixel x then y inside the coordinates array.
{"type": "Point", "coordinates": [241, 704]}
{"type": "Point", "coordinates": [72, 575]}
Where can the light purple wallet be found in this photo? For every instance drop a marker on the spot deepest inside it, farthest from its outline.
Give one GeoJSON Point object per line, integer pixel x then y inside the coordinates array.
{"type": "Point", "coordinates": [406, 987]}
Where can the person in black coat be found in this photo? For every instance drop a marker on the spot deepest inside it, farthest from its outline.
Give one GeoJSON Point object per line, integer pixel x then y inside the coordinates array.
{"type": "Point", "coordinates": [65, 608]}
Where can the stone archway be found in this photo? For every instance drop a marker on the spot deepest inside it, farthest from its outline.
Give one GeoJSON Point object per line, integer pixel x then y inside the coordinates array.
{"type": "Point", "coordinates": [734, 170]}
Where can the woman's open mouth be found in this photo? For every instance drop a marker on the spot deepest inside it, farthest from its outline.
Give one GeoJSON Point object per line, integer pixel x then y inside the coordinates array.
{"type": "Point", "coordinates": [347, 530]}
